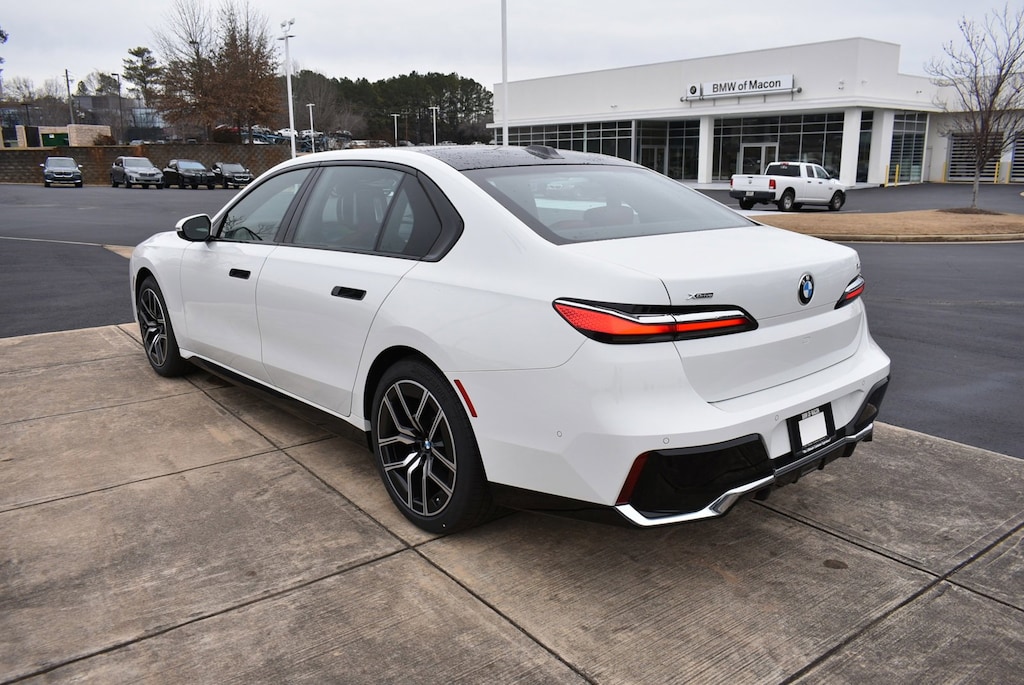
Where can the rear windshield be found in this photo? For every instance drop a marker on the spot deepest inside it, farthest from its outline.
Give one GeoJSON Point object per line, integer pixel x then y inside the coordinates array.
{"type": "Point", "coordinates": [782, 170]}
{"type": "Point", "coordinates": [573, 204]}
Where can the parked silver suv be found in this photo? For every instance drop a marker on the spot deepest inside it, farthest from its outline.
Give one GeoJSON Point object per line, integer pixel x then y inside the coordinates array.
{"type": "Point", "coordinates": [135, 170]}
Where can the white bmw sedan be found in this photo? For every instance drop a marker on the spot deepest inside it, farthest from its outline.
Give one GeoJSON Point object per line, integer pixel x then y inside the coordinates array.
{"type": "Point", "coordinates": [525, 327]}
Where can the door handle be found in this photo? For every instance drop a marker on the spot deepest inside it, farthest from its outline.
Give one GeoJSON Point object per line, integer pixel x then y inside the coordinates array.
{"type": "Point", "coordinates": [239, 273]}
{"type": "Point", "coordinates": [348, 293]}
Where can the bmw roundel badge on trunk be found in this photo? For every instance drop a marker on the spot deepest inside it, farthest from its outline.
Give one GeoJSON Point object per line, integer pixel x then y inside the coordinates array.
{"type": "Point", "coordinates": [806, 290]}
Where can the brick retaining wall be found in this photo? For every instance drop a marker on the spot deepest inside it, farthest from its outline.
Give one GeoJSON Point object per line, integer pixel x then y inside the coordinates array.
{"type": "Point", "coordinates": [18, 165]}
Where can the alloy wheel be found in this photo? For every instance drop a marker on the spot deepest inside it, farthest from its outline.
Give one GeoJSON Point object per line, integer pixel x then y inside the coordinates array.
{"type": "Point", "coordinates": [153, 325]}
{"type": "Point", "coordinates": [416, 448]}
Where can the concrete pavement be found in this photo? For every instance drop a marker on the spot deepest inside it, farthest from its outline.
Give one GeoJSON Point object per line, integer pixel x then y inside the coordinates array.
{"type": "Point", "coordinates": [184, 531]}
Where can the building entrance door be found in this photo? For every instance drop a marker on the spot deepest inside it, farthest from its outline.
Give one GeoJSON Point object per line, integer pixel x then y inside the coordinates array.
{"type": "Point", "coordinates": [754, 158]}
{"type": "Point", "coordinates": [653, 157]}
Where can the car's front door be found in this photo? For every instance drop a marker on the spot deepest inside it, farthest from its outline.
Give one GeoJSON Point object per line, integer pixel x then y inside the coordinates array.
{"type": "Point", "coordinates": [219, 277]}
{"type": "Point", "coordinates": [318, 296]}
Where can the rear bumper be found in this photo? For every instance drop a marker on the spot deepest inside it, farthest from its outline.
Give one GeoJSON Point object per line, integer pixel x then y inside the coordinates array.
{"type": "Point", "coordinates": [755, 195]}
{"type": "Point", "coordinates": [677, 486]}
{"type": "Point", "coordinates": [691, 484]}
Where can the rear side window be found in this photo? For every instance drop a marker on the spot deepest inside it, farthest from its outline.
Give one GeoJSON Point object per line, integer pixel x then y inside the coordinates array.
{"type": "Point", "coordinates": [368, 209]}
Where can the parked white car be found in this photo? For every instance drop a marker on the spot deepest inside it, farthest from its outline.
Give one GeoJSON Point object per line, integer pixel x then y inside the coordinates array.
{"type": "Point", "coordinates": [633, 348]}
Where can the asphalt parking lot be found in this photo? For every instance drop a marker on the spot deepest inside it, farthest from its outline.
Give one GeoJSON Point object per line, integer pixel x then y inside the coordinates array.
{"type": "Point", "coordinates": [186, 531]}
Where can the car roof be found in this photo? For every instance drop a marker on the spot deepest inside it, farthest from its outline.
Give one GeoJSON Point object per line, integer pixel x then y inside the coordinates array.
{"type": "Point", "coordinates": [465, 157]}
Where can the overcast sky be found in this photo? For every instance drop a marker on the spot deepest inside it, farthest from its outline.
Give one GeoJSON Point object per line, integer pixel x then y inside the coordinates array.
{"type": "Point", "coordinates": [377, 39]}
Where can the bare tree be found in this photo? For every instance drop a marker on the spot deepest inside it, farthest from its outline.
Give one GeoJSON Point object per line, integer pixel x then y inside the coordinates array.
{"type": "Point", "coordinates": [246, 76]}
{"type": "Point", "coordinates": [982, 83]}
{"type": "Point", "coordinates": [187, 44]}
{"type": "Point", "coordinates": [217, 67]}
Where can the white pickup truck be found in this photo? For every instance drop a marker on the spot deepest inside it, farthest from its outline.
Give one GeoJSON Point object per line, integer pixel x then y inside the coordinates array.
{"type": "Point", "coordinates": [789, 185]}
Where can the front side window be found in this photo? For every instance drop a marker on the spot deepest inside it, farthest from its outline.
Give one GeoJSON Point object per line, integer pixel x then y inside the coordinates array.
{"type": "Point", "coordinates": [259, 214]}
{"type": "Point", "coordinates": [581, 203]}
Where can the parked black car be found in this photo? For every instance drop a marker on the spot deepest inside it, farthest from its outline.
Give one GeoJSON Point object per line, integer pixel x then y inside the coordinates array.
{"type": "Point", "coordinates": [230, 174]}
{"type": "Point", "coordinates": [187, 172]}
{"type": "Point", "coordinates": [137, 170]}
{"type": "Point", "coordinates": [61, 170]}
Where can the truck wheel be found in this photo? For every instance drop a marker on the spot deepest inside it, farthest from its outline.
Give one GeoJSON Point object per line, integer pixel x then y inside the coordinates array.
{"type": "Point", "coordinates": [785, 203]}
{"type": "Point", "coordinates": [746, 204]}
{"type": "Point", "coordinates": [837, 202]}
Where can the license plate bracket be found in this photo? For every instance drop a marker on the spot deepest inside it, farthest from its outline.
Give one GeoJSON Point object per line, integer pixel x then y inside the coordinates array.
{"type": "Point", "coordinates": [812, 429]}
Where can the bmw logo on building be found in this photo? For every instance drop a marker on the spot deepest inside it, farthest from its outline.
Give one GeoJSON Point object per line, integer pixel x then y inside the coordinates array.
{"type": "Point", "coordinates": [806, 289]}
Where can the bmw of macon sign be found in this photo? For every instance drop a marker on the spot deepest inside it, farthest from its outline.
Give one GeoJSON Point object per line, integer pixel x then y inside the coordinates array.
{"type": "Point", "coordinates": [763, 85]}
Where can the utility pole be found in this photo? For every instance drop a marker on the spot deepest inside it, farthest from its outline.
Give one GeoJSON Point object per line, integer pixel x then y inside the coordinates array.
{"type": "Point", "coordinates": [120, 111]}
{"type": "Point", "coordinates": [285, 26]}
{"type": "Point", "coordinates": [71, 109]}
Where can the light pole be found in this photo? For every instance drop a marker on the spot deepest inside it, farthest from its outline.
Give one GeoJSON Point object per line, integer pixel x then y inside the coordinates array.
{"type": "Point", "coordinates": [395, 117]}
{"type": "Point", "coordinates": [285, 26]}
{"type": "Point", "coordinates": [120, 111]}
{"type": "Point", "coordinates": [504, 73]}
{"type": "Point", "coordinates": [312, 131]}
{"type": "Point", "coordinates": [433, 119]}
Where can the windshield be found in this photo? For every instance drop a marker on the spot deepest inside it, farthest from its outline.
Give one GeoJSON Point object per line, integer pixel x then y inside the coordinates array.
{"type": "Point", "coordinates": [61, 163]}
{"type": "Point", "coordinates": [137, 162]}
{"type": "Point", "coordinates": [232, 167]}
{"type": "Point", "coordinates": [190, 164]}
{"type": "Point", "coordinates": [570, 204]}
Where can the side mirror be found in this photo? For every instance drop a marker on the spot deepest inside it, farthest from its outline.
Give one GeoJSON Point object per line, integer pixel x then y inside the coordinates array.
{"type": "Point", "coordinates": [43, 165]}
{"type": "Point", "coordinates": [195, 228]}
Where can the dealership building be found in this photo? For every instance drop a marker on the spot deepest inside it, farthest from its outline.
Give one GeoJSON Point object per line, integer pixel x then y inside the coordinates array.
{"type": "Point", "coordinates": [842, 104]}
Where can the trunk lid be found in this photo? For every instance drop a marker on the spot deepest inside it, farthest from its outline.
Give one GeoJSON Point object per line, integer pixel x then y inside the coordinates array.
{"type": "Point", "coordinates": [760, 270]}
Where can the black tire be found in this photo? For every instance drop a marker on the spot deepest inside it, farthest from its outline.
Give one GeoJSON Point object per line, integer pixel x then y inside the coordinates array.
{"type": "Point", "coordinates": [746, 204]}
{"type": "Point", "coordinates": [127, 184]}
{"type": "Point", "coordinates": [46, 184]}
{"type": "Point", "coordinates": [113, 183]}
{"type": "Point", "coordinates": [158, 339]}
{"type": "Point", "coordinates": [79, 184]}
{"type": "Point", "coordinates": [785, 203]}
{"type": "Point", "coordinates": [837, 201]}
{"type": "Point", "coordinates": [226, 186]}
{"type": "Point", "coordinates": [181, 185]}
{"type": "Point", "coordinates": [426, 452]}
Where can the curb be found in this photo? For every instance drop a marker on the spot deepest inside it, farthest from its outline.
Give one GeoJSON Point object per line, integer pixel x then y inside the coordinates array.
{"type": "Point", "coordinates": [937, 238]}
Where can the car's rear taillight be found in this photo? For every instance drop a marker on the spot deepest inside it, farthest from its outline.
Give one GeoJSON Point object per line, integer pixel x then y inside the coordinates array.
{"type": "Point", "coordinates": [852, 292]}
{"type": "Point", "coordinates": [771, 184]}
{"type": "Point", "coordinates": [614, 323]}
